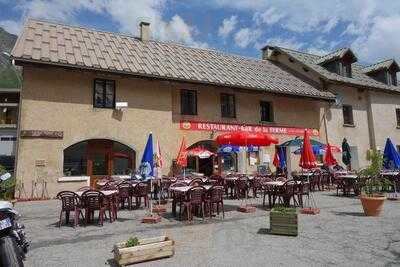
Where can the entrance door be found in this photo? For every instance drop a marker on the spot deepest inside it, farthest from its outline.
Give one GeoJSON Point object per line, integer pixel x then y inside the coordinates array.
{"type": "Point", "coordinates": [99, 162]}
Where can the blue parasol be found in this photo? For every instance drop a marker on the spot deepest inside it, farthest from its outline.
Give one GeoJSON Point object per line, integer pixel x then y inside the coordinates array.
{"type": "Point", "coordinates": [391, 158]}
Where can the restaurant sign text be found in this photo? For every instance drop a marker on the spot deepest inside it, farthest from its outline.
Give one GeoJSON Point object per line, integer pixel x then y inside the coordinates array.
{"type": "Point", "coordinates": [230, 127]}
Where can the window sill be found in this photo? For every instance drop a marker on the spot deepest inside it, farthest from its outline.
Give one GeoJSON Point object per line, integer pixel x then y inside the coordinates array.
{"type": "Point", "coordinates": [349, 125]}
{"type": "Point", "coordinates": [73, 179]}
{"type": "Point", "coordinates": [398, 127]}
{"type": "Point", "coordinates": [267, 122]}
{"type": "Point", "coordinates": [8, 126]}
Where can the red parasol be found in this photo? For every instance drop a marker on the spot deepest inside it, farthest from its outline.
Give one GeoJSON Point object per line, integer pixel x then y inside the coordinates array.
{"type": "Point", "coordinates": [246, 138]}
{"type": "Point", "coordinates": [307, 160]}
{"type": "Point", "coordinates": [334, 149]}
{"type": "Point", "coordinates": [329, 159]}
{"type": "Point", "coordinates": [200, 152]}
{"type": "Point", "coordinates": [181, 159]}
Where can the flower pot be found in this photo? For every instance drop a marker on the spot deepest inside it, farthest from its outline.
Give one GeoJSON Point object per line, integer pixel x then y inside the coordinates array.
{"type": "Point", "coordinates": [372, 205]}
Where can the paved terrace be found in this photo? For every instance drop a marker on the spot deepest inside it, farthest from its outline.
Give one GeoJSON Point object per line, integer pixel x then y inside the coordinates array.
{"type": "Point", "coordinates": [341, 235]}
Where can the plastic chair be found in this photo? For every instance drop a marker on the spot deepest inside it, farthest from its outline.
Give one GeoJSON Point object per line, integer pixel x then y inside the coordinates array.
{"type": "Point", "coordinates": [70, 201]}
{"type": "Point", "coordinates": [94, 200]}
{"type": "Point", "coordinates": [215, 196]}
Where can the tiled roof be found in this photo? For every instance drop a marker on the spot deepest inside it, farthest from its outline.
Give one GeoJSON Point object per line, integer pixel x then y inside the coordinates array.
{"type": "Point", "coordinates": [53, 43]}
{"type": "Point", "coordinates": [358, 76]}
{"type": "Point", "coordinates": [334, 55]}
{"type": "Point", "coordinates": [386, 64]}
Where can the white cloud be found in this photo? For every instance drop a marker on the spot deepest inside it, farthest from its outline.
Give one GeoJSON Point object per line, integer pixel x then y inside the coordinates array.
{"type": "Point", "coordinates": [369, 25]}
{"type": "Point", "coordinates": [269, 17]}
{"type": "Point", "coordinates": [227, 26]}
{"type": "Point", "coordinates": [381, 41]}
{"type": "Point", "coordinates": [246, 36]}
{"type": "Point", "coordinates": [127, 14]}
{"type": "Point", "coordinates": [11, 26]}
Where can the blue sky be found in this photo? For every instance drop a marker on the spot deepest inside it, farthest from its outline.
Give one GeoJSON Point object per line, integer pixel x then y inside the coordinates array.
{"type": "Point", "coordinates": [370, 27]}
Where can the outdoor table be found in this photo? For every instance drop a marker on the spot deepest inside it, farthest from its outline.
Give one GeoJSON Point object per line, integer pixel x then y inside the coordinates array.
{"type": "Point", "coordinates": [391, 173]}
{"type": "Point", "coordinates": [185, 189]}
{"type": "Point", "coordinates": [107, 193]}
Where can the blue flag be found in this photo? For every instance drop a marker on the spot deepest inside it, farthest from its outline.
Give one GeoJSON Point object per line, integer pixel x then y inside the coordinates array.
{"type": "Point", "coordinates": [146, 165]}
{"type": "Point", "coordinates": [282, 157]}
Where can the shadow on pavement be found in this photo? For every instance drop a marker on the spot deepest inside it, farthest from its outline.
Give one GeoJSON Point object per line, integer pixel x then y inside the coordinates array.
{"type": "Point", "coordinates": [345, 213]}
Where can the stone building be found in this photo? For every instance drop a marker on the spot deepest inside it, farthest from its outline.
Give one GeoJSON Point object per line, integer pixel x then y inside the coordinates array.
{"type": "Point", "coordinates": [90, 98]}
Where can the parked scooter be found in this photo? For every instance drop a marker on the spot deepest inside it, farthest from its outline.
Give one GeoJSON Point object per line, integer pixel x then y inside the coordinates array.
{"type": "Point", "coordinates": [13, 245]}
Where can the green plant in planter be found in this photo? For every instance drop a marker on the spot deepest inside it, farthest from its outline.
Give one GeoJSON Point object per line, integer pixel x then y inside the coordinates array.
{"type": "Point", "coordinates": [132, 242]}
{"type": "Point", "coordinates": [7, 187]}
{"type": "Point", "coordinates": [370, 183]}
{"type": "Point", "coordinates": [282, 209]}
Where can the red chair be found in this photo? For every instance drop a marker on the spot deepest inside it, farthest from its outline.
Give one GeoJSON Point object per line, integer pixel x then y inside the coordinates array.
{"type": "Point", "coordinates": [70, 201]}
{"type": "Point", "coordinates": [215, 197]}
{"type": "Point", "coordinates": [94, 201]}
{"type": "Point", "coordinates": [195, 199]}
{"type": "Point", "coordinates": [141, 190]}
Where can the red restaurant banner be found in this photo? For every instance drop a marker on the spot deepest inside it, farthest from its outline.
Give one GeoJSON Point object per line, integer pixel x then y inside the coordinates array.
{"type": "Point", "coordinates": [230, 127]}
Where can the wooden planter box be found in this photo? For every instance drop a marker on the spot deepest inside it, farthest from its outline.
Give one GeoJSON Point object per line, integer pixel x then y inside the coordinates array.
{"type": "Point", "coordinates": [284, 223]}
{"type": "Point", "coordinates": [148, 249]}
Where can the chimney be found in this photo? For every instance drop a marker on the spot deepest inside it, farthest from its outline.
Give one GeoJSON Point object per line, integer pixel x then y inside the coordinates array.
{"type": "Point", "coordinates": [144, 31]}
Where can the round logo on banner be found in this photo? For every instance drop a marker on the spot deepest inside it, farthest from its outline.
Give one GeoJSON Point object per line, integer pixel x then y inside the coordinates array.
{"type": "Point", "coordinates": [145, 168]}
{"type": "Point", "coordinates": [186, 125]}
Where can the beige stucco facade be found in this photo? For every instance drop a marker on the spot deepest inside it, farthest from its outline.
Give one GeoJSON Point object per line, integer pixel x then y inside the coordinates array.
{"type": "Point", "coordinates": [374, 113]}
{"type": "Point", "coordinates": [56, 99]}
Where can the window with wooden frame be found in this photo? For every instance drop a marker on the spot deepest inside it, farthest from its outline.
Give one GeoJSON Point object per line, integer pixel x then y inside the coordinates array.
{"type": "Point", "coordinates": [188, 102]}
{"type": "Point", "coordinates": [266, 111]}
{"type": "Point", "coordinates": [398, 117]}
{"type": "Point", "coordinates": [228, 106]}
{"type": "Point", "coordinates": [104, 93]}
{"type": "Point", "coordinates": [348, 115]}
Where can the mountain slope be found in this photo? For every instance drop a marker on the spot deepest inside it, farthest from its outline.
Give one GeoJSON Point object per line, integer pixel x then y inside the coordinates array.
{"type": "Point", "coordinates": [9, 75]}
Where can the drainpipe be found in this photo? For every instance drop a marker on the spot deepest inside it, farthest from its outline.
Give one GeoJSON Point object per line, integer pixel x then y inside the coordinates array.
{"type": "Point", "coordinates": [370, 119]}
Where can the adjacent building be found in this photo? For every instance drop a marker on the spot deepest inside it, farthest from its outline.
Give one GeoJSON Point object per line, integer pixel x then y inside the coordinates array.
{"type": "Point", "coordinates": [90, 98]}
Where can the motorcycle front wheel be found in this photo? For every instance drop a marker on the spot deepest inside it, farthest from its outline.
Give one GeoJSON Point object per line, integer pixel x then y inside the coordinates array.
{"type": "Point", "coordinates": [9, 253]}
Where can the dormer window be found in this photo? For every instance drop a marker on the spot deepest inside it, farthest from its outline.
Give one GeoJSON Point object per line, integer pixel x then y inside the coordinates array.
{"type": "Point", "coordinates": [384, 72]}
{"type": "Point", "coordinates": [339, 62]}
{"type": "Point", "coordinates": [392, 78]}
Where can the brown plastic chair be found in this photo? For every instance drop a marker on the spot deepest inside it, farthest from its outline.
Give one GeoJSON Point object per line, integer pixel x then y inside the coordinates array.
{"type": "Point", "coordinates": [256, 185]}
{"type": "Point", "coordinates": [285, 193]}
{"type": "Point", "coordinates": [267, 190]}
{"type": "Point", "coordinates": [94, 200]}
{"type": "Point", "coordinates": [125, 194]}
{"type": "Point", "coordinates": [111, 185]}
{"type": "Point", "coordinates": [215, 196]}
{"type": "Point", "coordinates": [177, 198]}
{"type": "Point", "coordinates": [85, 188]}
{"type": "Point", "coordinates": [241, 188]}
{"type": "Point", "coordinates": [141, 190]}
{"type": "Point", "coordinates": [196, 182]}
{"type": "Point", "coordinates": [195, 199]}
{"type": "Point", "coordinates": [70, 201]}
